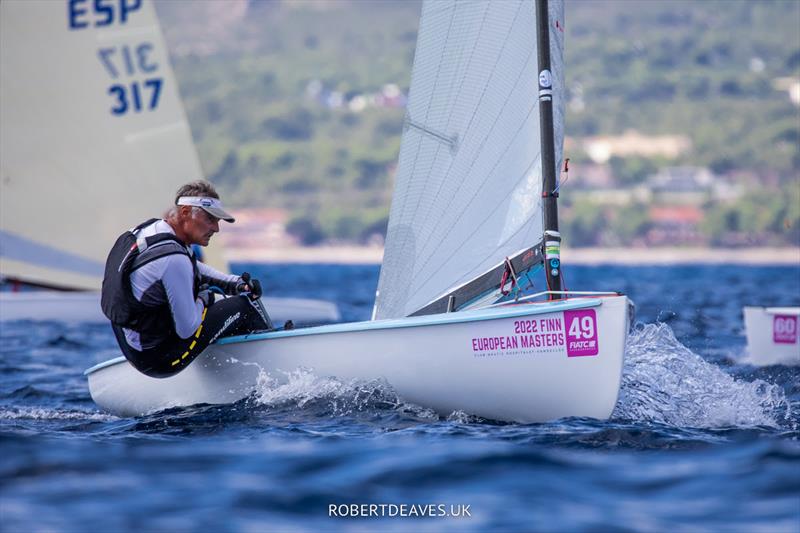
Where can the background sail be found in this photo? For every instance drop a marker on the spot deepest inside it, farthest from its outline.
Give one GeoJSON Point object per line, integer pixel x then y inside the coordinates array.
{"type": "Point", "coordinates": [468, 185]}
{"type": "Point", "coordinates": [93, 136]}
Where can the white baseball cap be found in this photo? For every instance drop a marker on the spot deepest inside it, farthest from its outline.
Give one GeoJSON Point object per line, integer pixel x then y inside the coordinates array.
{"type": "Point", "coordinates": [212, 206]}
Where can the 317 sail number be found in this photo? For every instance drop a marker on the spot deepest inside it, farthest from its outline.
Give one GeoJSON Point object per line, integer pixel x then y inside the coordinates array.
{"type": "Point", "coordinates": [134, 96]}
{"type": "Point", "coordinates": [127, 60]}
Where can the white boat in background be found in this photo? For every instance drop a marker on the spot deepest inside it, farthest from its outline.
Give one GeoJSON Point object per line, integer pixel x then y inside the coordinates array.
{"type": "Point", "coordinates": [773, 335]}
{"type": "Point", "coordinates": [94, 140]}
{"type": "Point", "coordinates": [473, 218]}
{"type": "Point", "coordinates": [84, 306]}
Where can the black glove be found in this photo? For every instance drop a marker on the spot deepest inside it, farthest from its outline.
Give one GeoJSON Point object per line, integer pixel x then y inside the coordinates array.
{"type": "Point", "coordinates": [255, 289]}
{"type": "Point", "coordinates": [253, 286]}
{"type": "Point", "coordinates": [206, 296]}
{"type": "Point", "coordinates": [244, 285]}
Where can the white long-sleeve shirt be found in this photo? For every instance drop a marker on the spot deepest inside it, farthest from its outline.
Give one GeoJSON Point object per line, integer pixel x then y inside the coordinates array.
{"type": "Point", "coordinates": [171, 279]}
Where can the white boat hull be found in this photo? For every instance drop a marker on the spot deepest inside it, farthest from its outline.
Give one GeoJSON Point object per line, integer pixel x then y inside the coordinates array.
{"type": "Point", "coordinates": [523, 363]}
{"type": "Point", "coordinates": [77, 306]}
{"type": "Point", "coordinates": [84, 306]}
{"type": "Point", "coordinates": [773, 335]}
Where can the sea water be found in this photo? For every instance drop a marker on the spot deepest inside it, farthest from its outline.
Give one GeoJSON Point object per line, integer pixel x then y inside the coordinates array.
{"type": "Point", "coordinates": [699, 439]}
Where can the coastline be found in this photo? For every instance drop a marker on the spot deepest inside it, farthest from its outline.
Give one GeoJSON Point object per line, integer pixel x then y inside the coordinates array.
{"type": "Point", "coordinates": [372, 255]}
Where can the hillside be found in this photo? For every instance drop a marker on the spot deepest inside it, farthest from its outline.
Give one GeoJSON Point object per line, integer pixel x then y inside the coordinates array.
{"type": "Point", "coordinates": [299, 105]}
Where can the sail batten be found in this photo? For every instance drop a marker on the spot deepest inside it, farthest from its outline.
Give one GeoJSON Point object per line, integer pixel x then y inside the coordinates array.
{"type": "Point", "coordinates": [468, 185]}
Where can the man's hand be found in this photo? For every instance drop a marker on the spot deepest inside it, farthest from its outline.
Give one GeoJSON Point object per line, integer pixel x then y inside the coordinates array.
{"type": "Point", "coordinates": [255, 289]}
{"type": "Point", "coordinates": [253, 286]}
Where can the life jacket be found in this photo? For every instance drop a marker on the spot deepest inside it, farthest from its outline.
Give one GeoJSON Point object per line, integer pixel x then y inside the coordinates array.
{"type": "Point", "coordinates": [129, 253]}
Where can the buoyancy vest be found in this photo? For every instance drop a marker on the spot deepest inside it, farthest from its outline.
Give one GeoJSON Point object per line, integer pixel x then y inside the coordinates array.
{"type": "Point", "coordinates": [130, 252]}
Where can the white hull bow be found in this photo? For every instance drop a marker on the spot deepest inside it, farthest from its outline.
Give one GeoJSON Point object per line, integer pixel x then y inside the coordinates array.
{"type": "Point", "coordinates": [526, 363]}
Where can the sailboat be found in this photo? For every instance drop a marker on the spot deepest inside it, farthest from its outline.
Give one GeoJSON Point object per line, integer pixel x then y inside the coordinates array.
{"type": "Point", "coordinates": [93, 140]}
{"type": "Point", "coordinates": [456, 324]}
{"type": "Point", "coordinates": [773, 335]}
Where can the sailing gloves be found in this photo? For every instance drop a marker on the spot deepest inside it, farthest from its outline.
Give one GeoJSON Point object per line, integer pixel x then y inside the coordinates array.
{"type": "Point", "coordinates": [248, 284]}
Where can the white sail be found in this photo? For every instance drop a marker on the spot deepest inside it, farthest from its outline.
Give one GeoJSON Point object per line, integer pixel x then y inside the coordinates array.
{"type": "Point", "coordinates": [93, 137]}
{"type": "Point", "coordinates": [468, 185]}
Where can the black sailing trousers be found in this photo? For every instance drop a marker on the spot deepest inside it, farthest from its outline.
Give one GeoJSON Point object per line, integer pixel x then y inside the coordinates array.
{"type": "Point", "coordinates": [230, 316]}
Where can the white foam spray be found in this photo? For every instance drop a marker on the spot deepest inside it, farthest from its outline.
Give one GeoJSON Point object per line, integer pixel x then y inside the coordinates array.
{"type": "Point", "coordinates": [664, 381]}
{"type": "Point", "coordinates": [303, 388]}
{"type": "Point", "coordinates": [42, 413]}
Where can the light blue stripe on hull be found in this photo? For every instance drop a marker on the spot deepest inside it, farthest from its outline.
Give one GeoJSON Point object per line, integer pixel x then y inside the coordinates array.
{"type": "Point", "coordinates": [104, 364]}
{"type": "Point", "coordinates": [477, 315]}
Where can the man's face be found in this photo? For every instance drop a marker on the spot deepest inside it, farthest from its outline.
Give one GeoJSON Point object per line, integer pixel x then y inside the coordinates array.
{"type": "Point", "coordinates": [199, 226]}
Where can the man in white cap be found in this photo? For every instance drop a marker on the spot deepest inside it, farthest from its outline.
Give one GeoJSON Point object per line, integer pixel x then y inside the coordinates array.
{"type": "Point", "coordinates": [161, 299]}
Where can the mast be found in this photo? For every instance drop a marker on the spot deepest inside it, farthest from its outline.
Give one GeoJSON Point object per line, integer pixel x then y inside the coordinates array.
{"type": "Point", "coordinates": [551, 241]}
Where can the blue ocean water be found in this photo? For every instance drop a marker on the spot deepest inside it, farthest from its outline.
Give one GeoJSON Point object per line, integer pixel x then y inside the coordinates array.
{"type": "Point", "coordinates": [699, 440]}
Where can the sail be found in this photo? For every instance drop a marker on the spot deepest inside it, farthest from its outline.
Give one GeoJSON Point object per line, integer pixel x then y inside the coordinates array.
{"type": "Point", "coordinates": [468, 186]}
{"type": "Point", "coordinates": [93, 137]}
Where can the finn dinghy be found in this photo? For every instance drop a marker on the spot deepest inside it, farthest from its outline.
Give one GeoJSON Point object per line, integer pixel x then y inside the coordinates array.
{"type": "Point", "coordinates": [473, 218]}
{"type": "Point", "coordinates": [94, 139]}
{"type": "Point", "coordinates": [773, 335]}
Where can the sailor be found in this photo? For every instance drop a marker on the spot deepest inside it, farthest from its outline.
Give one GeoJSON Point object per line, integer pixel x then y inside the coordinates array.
{"type": "Point", "coordinates": [165, 306]}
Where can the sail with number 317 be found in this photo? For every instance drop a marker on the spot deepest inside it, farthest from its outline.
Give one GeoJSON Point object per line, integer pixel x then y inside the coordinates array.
{"type": "Point", "coordinates": [94, 140]}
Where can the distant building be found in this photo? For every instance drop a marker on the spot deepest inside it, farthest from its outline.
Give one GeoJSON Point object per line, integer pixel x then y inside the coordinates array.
{"type": "Point", "coordinates": [615, 196]}
{"type": "Point", "coordinates": [589, 176]}
{"type": "Point", "coordinates": [682, 185]}
{"type": "Point", "coordinates": [632, 143]}
{"type": "Point", "coordinates": [390, 96]}
{"type": "Point", "coordinates": [258, 229]}
{"type": "Point", "coordinates": [596, 184]}
{"type": "Point", "coordinates": [791, 86]}
{"type": "Point", "coordinates": [675, 225]}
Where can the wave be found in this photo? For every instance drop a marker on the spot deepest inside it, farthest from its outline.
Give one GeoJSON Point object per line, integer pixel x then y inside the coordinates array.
{"type": "Point", "coordinates": [41, 413]}
{"type": "Point", "coordinates": [663, 381]}
{"type": "Point", "coordinates": [331, 396]}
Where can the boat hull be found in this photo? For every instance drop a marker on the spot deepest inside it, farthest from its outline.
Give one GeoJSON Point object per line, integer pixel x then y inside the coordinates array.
{"type": "Point", "coordinates": [523, 363]}
{"type": "Point", "coordinates": [773, 335]}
